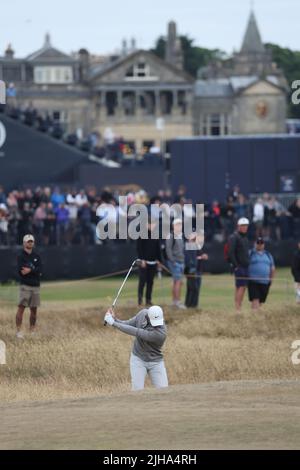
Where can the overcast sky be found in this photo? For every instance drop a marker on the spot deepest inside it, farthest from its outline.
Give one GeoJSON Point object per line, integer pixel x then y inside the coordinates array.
{"type": "Point", "coordinates": [100, 25]}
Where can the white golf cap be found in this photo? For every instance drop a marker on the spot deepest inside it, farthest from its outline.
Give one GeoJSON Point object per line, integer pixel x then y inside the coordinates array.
{"type": "Point", "coordinates": [156, 315]}
{"type": "Point", "coordinates": [243, 221]}
{"type": "Point", "coordinates": [28, 238]}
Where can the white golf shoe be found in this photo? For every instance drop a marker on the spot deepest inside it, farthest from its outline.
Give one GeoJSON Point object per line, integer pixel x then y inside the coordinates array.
{"type": "Point", "coordinates": [20, 335]}
{"type": "Point", "coordinates": [179, 305]}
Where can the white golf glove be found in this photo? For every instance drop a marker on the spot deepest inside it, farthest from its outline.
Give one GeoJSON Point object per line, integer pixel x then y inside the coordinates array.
{"type": "Point", "coordinates": [109, 319]}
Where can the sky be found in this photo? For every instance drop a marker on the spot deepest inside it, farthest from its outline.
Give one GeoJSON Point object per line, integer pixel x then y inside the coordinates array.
{"type": "Point", "coordinates": [100, 25]}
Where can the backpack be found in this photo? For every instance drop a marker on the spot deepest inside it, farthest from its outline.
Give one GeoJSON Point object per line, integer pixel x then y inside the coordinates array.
{"type": "Point", "coordinates": [226, 252]}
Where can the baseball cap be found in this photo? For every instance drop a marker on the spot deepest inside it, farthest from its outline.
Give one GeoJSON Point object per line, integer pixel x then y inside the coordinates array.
{"type": "Point", "coordinates": [260, 241]}
{"type": "Point", "coordinates": [177, 221]}
{"type": "Point", "coordinates": [28, 238]}
{"type": "Point", "coordinates": [156, 315]}
{"type": "Point", "coordinates": [243, 221]}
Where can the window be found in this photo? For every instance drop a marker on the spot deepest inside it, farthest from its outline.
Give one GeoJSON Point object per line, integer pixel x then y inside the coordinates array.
{"type": "Point", "coordinates": [53, 75]}
{"type": "Point", "coordinates": [140, 71]}
{"type": "Point", "coordinates": [215, 124]}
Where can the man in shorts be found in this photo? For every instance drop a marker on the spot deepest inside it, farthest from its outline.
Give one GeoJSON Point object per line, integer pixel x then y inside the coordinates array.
{"type": "Point", "coordinates": [175, 255]}
{"type": "Point", "coordinates": [238, 257]}
{"type": "Point", "coordinates": [30, 271]}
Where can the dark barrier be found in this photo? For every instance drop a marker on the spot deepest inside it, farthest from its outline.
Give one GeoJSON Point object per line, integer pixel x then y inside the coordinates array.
{"type": "Point", "coordinates": [73, 262]}
{"type": "Point", "coordinates": [209, 167]}
{"type": "Point", "coordinates": [150, 179]}
{"type": "Point", "coordinates": [78, 262]}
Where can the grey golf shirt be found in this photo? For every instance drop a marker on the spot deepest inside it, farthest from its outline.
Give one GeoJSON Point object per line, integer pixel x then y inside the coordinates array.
{"type": "Point", "coordinates": [148, 339]}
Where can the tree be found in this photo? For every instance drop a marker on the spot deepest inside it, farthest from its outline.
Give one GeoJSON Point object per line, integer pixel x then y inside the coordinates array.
{"type": "Point", "coordinates": [194, 56]}
{"type": "Point", "coordinates": [289, 62]}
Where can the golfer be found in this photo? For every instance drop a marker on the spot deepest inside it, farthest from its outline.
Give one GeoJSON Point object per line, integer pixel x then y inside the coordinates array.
{"type": "Point", "coordinates": [30, 271]}
{"type": "Point", "coordinates": [150, 334]}
{"type": "Point", "coordinates": [296, 271]}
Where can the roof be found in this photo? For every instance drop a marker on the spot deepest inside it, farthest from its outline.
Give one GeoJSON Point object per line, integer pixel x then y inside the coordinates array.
{"type": "Point", "coordinates": [217, 87]}
{"type": "Point", "coordinates": [225, 87]}
{"type": "Point", "coordinates": [252, 40]}
{"type": "Point", "coordinates": [108, 66]}
{"type": "Point", "coordinates": [48, 53]}
{"type": "Point", "coordinates": [252, 137]}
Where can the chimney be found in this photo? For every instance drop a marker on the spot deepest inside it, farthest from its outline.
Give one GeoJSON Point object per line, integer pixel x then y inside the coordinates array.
{"type": "Point", "coordinates": [133, 44]}
{"type": "Point", "coordinates": [124, 48]}
{"type": "Point", "coordinates": [9, 53]}
{"type": "Point", "coordinates": [84, 62]}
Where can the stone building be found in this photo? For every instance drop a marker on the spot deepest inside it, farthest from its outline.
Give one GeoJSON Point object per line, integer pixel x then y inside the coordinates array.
{"type": "Point", "coordinates": [134, 95]}
{"type": "Point", "coordinates": [48, 80]}
{"type": "Point", "coordinates": [146, 100]}
{"type": "Point", "coordinates": [246, 95]}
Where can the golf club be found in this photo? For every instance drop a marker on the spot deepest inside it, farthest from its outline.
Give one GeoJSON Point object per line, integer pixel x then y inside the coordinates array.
{"type": "Point", "coordinates": [122, 285]}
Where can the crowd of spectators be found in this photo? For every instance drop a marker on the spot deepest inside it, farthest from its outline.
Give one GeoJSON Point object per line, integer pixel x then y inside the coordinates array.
{"type": "Point", "coordinates": [108, 147]}
{"type": "Point", "coordinates": [63, 217]}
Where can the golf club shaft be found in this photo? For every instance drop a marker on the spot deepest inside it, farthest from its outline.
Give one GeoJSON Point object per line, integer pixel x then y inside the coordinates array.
{"type": "Point", "coordinates": [122, 285]}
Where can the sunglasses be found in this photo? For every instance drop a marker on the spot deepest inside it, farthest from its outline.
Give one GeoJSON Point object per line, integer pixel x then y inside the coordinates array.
{"type": "Point", "coordinates": [260, 243]}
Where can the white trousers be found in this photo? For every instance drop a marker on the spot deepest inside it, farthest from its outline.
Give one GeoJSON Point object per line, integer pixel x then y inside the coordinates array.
{"type": "Point", "coordinates": [139, 369]}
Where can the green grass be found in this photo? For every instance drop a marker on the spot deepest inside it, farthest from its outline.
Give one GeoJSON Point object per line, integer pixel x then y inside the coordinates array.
{"type": "Point", "coordinates": [216, 291]}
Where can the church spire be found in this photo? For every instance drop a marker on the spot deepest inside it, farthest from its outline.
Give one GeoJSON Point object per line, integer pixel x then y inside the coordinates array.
{"type": "Point", "coordinates": [252, 40]}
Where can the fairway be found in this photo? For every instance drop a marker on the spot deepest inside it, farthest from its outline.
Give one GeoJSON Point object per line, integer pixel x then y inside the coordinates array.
{"type": "Point", "coordinates": [231, 415]}
{"type": "Point", "coordinates": [216, 291]}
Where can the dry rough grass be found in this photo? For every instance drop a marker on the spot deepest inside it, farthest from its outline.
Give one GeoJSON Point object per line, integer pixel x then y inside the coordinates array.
{"type": "Point", "coordinates": [73, 355]}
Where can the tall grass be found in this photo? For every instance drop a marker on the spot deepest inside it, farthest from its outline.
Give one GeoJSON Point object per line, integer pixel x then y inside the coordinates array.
{"type": "Point", "coordinates": [73, 355]}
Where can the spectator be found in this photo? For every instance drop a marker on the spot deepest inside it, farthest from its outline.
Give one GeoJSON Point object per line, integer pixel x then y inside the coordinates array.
{"type": "Point", "coordinates": [3, 224]}
{"type": "Point", "coordinates": [296, 272]}
{"type": "Point", "coordinates": [259, 216]}
{"type": "Point", "coordinates": [216, 225]}
{"type": "Point", "coordinates": [228, 216]}
{"type": "Point", "coordinates": [238, 257]}
{"type": "Point", "coordinates": [241, 207]}
{"type": "Point", "coordinates": [81, 198]}
{"type": "Point", "coordinates": [12, 200]}
{"type": "Point", "coordinates": [261, 272]}
{"type": "Point", "coordinates": [235, 192]}
{"type": "Point", "coordinates": [149, 253]}
{"type": "Point", "coordinates": [57, 198]}
{"type": "Point", "coordinates": [2, 196]}
{"type": "Point", "coordinates": [50, 225]}
{"type": "Point", "coordinates": [106, 212]}
{"type": "Point", "coordinates": [62, 224]}
{"type": "Point", "coordinates": [72, 207]}
{"type": "Point", "coordinates": [25, 223]}
{"type": "Point", "coordinates": [85, 219]}
{"type": "Point", "coordinates": [175, 257]}
{"type": "Point", "coordinates": [38, 222]}
{"type": "Point", "coordinates": [193, 270]}
{"type": "Point", "coordinates": [30, 271]}
{"type": "Point", "coordinates": [294, 210]}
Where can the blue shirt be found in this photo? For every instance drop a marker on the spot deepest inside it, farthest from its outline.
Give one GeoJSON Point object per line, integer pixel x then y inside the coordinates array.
{"type": "Point", "coordinates": [260, 266]}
